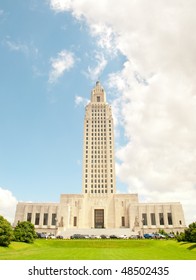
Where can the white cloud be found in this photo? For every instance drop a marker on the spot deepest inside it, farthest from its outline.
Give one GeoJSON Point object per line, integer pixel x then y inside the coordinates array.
{"type": "Point", "coordinates": [63, 62]}
{"type": "Point", "coordinates": [94, 72]}
{"type": "Point", "coordinates": [60, 6]}
{"type": "Point", "coordinates": [7, 204]}
{"type": "Point", "coordinates": [18, 46]}
{"type": "Point", "coordinates": [79, 100]}
{"type": "Point", "coordinates": [157, 92]}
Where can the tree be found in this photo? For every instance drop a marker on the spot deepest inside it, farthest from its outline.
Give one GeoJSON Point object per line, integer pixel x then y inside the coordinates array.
{"type": "Point", "coordinates": [6, 232]}
{"type": "Point", "coordinates": [24, 232]}
{"type": "Point", "coordinates": [190, 233]}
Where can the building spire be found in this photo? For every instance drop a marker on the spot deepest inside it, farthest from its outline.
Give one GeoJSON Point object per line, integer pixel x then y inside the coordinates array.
{"type": "Point", "coordinates": [98, 93]}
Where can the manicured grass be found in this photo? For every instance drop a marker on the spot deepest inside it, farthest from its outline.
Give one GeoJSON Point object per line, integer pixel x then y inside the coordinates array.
{"type": "Point", "coordinates": [99, 250]}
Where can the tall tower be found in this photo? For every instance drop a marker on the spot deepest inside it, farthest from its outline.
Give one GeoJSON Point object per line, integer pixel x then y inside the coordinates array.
{"type": "Point", "coordinates": [98, 153]}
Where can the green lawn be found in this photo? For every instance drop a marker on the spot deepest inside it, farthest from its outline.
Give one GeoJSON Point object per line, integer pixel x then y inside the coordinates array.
{"type": "Point", "coordinates": [99, 250]}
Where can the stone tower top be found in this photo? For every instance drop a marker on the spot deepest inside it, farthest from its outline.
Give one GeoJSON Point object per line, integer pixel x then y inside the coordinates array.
{"type": "Point", "coordinates": [98, 94]}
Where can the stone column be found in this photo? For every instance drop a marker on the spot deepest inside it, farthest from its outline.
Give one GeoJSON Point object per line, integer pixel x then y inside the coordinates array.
{"type": "Point", "coordinates": [157, 216]}
{"type": "Point", "coordinates": [25, 213]}
{"type": "Point", "coordinates": [33, 214]}
{"type": "Point", "coordinates": [165, 215]}
{"type": "Point", "coordinates": [148, 216]}
{"type": "Point", "coordinates": [41, 216]}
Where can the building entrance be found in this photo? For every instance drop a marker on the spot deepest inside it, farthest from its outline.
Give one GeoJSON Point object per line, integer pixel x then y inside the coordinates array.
{"type": "Point", "coordinates": [99, 218]}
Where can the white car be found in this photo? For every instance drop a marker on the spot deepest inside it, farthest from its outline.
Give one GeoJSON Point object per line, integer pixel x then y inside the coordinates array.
{"type": "Point", "coordinates": [123, 236]}
{"type": "Point", "coordinates": [51, 236]}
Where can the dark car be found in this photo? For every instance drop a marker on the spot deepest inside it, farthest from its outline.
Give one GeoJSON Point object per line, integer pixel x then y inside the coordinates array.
{"type": "Point", "coordinates": [76, 236]}
{"type": "Point", "coordinates": [113, 236]}
{"type": "Point", "coordinates": [41, 235]}
{"type": "Point", "coordinates": [148, 235]}
{"type": "Point", "coordinates": [59, 237]}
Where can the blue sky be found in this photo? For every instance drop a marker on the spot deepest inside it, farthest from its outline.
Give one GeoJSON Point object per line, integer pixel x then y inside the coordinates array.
{"type": "Point", "coordinates": [41, 122]}
{"type": "Point", "coordinates": [52, 53]}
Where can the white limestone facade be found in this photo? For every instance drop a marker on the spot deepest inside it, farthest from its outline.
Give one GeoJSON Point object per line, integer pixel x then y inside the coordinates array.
{"type": "Point", "coordinates": [99, 209]}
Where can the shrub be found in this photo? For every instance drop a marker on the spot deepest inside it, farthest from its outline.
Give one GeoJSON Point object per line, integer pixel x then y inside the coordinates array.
{"type": "Point", "coordinates": [24, 232]}
{"type": "Point", "coordinates": [6, 232]}
{"type": "Point", "coordinates": [190, 233]}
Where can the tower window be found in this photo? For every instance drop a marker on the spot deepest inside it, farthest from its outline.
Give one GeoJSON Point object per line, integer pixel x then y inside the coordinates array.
{"type": "Point", "coordinates": [75, 221]}
{"type": "Point", "coordinates": [123, 221]}
{"type": "Point", "coordinates": [98, 98]}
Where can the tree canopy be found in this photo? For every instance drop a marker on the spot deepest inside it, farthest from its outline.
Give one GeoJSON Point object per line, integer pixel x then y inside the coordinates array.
{"type": "Point", "coordinates": [6, 232]}
{"type": "Point", "coordinates": [24, 232]}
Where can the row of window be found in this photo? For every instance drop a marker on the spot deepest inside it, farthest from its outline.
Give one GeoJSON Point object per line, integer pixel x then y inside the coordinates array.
{"type": "Point", "coordinates": [153, 219]}
{"type": "Point", "coordinates": [103, 175]}
{"type": "Point", "coordinates": [98, 150]}
{"type": "Point", "coordinates": [97, 146]}
{"type": "Point", "coordinates": [99, 191]}
{"type": "Point", "coordinates": [98, 109]}
{"type": "Point", "coordinates": [99, 186]}
{"type": "Point", "coordinates": [99, 136]}
{"type": "Point", "coordinates": [99, 182]}
{"type": "Point", "coordinates": [98, 120]}
{"type": "Point", "coordinates": [97, 166]}
{"type": "Point", "coordinates": [45, 220]}
{"type": "Point", "coordinates": [100, 173]}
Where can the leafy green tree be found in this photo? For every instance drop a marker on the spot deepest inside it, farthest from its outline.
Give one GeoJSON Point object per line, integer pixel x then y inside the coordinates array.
{"type": "Point", "coordinates": [190, 233]}
{"type": "Point", "coordinates": [24, 232]}
{"type": "Point", "coordinates": [6, 232]}
{"type": "Point", "coordinates": [180, 237]}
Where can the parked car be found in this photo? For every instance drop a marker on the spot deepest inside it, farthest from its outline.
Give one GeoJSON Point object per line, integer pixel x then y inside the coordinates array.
{"type": "Point", "coordinates": [159, 236]}
{"type": "Point", "coordinates": [95, 236]}
{"type": "Point", "coordinates": [171, 235]}
{"type": "Point", "coordinates": [123, 236]}
{"type": "Point", "coordinates": [148, 235]}
{"type": "Point", "coordinates": [76, 236]}
{"type": "Point", "coordinates": [113, 236]}
{"type": "Point", "coordinates": [59, 237]}
{"type": "Point", "coordinates": [51, 236]}
{"type": "Point", "coordinates": [134, 237]}
{"type": "Point", "coordinates": [104, 236]}
{"type": "Point", "coordinates": [41, 235]}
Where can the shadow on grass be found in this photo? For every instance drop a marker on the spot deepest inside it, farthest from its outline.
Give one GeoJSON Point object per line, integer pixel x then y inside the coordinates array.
{"type": "Point", "coordinates": [191, 247]}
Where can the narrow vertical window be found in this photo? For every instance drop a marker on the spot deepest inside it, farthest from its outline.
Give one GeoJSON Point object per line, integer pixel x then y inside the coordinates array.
{"type": "Point", "coordinates": [45, 220]}
{"type": "Point", "coordinates": [144, 219]}
{"type": "Point", "coordinates": [161, 219]}
{"type": "Point", "coordinates": [53, 219]}
{"type": "Point", "coordinates": [169, 218]}
{"type": "Point", "coordinates": [29, 217]}
{"type": "Point", "coordinates": [37, 217]}
{"type": "Point", "coordinates": [75, 221]}
{"type": "Point", "coordinates": [123, 221]}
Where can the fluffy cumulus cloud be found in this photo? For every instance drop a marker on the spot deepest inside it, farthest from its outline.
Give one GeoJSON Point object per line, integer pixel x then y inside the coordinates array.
{"type": "Point", "coordinates": [7, 204]}
{"type": "Point", "coordinates": [63, 62]}
{"type": "Point", "coordinates": [156, 100]}
{"type": "Point", "coordinates": [79, 100]}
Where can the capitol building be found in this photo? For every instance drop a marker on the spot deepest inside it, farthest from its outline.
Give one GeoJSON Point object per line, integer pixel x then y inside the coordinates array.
{"type": "Point", "coordinates": [99, 209]}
